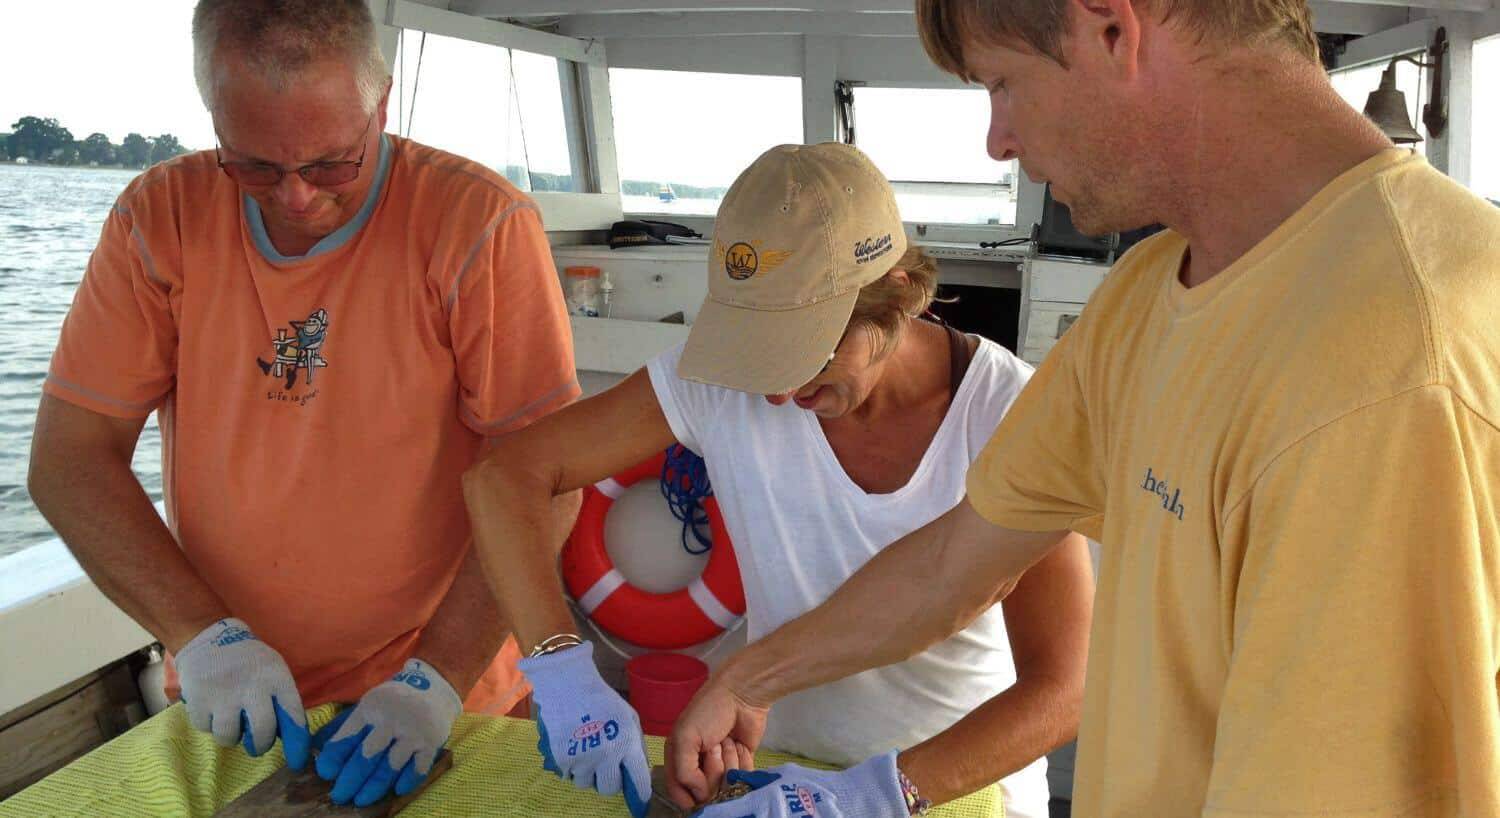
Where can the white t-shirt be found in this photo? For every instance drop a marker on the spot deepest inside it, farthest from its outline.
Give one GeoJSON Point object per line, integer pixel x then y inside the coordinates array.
{"type": "Point", "coordinates": [801, 528]}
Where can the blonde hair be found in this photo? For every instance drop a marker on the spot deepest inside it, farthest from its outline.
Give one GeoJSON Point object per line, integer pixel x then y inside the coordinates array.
{"type": "Point", "coordinates": [946, 25]}
{"type": "Point", "coordinates": [885, 306]}
{"type": "Point", "coordinates": [281, 38]}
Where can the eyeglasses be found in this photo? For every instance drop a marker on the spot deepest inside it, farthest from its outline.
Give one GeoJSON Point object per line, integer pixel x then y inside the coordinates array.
{"type": "Point", "coordinates": [317, 174]}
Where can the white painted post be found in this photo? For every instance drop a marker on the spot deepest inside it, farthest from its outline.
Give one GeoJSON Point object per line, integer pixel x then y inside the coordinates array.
{"type": "Point", "coordinates": [819, 73]}
{"type": "Point", "coordinates": [1451, 153]}
{"type": "Point", "coordinates": [601, 125]}
{"type": "Point", "coordinates": [389, 35]}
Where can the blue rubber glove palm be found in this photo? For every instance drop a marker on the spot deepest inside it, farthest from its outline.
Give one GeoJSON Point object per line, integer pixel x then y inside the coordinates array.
{"type": "Point", "coordinates": [240, 689]}
{"type": "Point", "coordinates": [589, 735]}
{"type": "Point", "coordinates": [869, 790]}
{"type": "Point", "coordinates": [389, 741]}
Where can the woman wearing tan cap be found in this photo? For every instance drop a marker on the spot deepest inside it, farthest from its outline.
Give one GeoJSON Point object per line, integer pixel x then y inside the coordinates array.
{"type": "Point", "coordinates": [832, 423]}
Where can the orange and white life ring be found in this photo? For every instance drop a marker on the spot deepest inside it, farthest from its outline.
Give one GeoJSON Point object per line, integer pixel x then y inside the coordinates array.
{"type": "Point", "coordinates": [709, 605]}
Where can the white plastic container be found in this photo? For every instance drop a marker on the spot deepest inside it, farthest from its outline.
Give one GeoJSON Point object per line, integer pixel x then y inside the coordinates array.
{"type": "Point", "coordinates": [583, 292]}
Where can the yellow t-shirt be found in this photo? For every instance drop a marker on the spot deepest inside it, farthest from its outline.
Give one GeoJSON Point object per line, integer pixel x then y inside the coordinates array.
{"type": "Point", "coordinates": [1295, 470]}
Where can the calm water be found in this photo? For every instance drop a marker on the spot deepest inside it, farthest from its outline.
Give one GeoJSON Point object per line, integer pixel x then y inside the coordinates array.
{"type": "Point", "coordinates": [49, 221]}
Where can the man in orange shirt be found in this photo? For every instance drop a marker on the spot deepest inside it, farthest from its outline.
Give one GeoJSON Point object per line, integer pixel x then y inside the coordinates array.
{"type": "Point", "coordinates": [330, 321]}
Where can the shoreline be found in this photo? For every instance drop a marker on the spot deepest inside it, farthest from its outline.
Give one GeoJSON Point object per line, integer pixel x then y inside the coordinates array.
{"type": "Point", "coordinates": [12, 164]}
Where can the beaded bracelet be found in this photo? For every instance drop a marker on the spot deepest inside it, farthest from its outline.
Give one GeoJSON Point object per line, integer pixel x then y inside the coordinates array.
{"type": "Point", "coordinates": [555, 643]}
{"type": "Point", "coordinates": [915, 803]}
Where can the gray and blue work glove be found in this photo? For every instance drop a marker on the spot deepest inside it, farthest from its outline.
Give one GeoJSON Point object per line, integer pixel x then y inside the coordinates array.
{"type": "Point", "coordinates": [389, 741]}
{"type": "Point", "coordinates": [870, 790]}
{"type": "Point", "coordinates": [589, 735]}
{"type": "Point", "coordinates": [240, 689]}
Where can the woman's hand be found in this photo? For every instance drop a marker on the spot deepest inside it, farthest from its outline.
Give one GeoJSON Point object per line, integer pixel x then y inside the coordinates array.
{"type": "Point", "coordinates": [718, 732]}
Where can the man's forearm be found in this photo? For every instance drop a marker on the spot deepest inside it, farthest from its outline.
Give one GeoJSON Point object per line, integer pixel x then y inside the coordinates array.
{"type": "Point", "coordinates": [467, 630]}
{"type": "Point", "coordinates": [917, 592]}
{"type": "Point", "coordinates": [1010, 731]}
{"type": "Point", "coordinates": [96, 504]}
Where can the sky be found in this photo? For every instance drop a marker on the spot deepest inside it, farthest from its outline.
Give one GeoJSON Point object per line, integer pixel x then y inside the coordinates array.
{"type": "Point", "coordinates": [1486, 169]}
{"type": "Point", "coordinates": [702, 129]}
{"type": "Point", "coordinates": [103, 65]}
{"type": "Point", "coordinates": [951, 125]}
{"type": "Point", "coordinates": [463, 100]}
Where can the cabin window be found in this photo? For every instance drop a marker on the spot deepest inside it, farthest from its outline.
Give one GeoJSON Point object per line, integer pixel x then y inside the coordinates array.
{"type": "Point", "coordinates": [931, 144]}
{"type": "Point", "coordinates": [1356, 84]}
{"type": "Point", "coordinates": [681, 137]}
{"type": "Point", "coordinates": [500, 107]}
{"type": "Point", "coordinates": [1485, 141]}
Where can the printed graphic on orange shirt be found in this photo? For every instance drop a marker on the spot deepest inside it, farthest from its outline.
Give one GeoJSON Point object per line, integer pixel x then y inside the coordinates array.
{"type": "Point", "coordinates": [302, 352]}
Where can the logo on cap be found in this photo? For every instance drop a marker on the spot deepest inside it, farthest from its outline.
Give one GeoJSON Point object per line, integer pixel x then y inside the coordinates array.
{"type": "Point", "coordinates": [871, 249]}
{"type": "Point", "coordinates": [743, 259]}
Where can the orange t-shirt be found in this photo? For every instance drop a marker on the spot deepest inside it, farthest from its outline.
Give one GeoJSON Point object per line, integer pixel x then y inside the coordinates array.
{"type": "Point", "coordinates": [317, 412]}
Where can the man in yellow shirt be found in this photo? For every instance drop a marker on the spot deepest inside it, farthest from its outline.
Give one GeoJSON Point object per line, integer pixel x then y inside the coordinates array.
{"type": "Point", "coordinates": [1280, 417]}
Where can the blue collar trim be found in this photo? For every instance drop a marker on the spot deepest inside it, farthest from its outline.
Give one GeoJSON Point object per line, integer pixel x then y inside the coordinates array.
{"type": "Point", "coordinates": [337, 238]}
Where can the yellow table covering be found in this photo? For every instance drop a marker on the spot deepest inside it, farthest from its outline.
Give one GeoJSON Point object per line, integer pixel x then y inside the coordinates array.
{"type": "Point", "coordinates": [163, 767]}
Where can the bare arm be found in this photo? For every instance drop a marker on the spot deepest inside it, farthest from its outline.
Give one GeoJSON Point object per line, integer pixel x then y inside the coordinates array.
{"type": "Point", "coordinates": [1047, 618]}
{"type": "Point", "coordinates": [510, 493]}
{"type": "Point", "coordinates": [80, 479]}
{"type": "Point", "coordinates": [469, 629]}
{"type": "Point", "coordinates": [919, 591]}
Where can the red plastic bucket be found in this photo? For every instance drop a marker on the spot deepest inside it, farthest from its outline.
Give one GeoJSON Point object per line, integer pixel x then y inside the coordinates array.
{"type": "Point", "coordinates": [662, 729]}
{"type": "Point", "coordinates": [661, 685]}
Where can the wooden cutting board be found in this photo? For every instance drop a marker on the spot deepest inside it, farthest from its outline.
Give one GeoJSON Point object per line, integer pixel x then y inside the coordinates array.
{"type": "Point", "coordinates": [290, 794]}
{"type": "Point", "coordinates": [662, 807]}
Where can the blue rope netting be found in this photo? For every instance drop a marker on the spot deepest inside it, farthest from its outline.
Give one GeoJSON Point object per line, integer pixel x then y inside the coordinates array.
{"type": "Point", "coordinates": [684, 482]}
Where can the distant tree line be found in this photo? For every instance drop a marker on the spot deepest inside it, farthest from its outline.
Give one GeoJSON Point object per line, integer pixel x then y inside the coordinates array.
{"type": "Point", "coordinates": [39, 139]}
{"type": "Point", "coordinates": [518, 175]}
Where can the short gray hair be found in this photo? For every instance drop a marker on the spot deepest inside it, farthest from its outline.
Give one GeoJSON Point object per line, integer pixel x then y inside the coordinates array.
{"type": "Point", "coordinates": [280, 38]}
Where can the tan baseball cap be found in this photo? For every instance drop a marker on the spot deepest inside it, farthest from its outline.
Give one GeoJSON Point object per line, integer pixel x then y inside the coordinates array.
{"type": "Point", "coordinates": [797, 236]}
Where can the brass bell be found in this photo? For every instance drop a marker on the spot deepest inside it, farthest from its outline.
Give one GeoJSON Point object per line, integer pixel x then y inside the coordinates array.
{"type": "Point", "coordinates": [1386, 107]}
